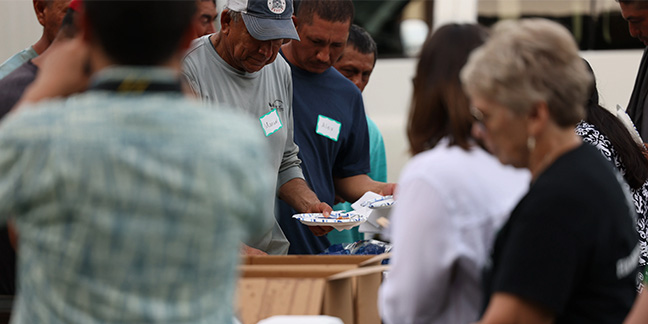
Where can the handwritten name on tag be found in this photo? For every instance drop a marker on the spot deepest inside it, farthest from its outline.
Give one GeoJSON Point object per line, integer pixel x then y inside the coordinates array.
{"type": "Point", "coordinates": [328, 127]}
{"type": "Point", "coordinates": [271, 122]}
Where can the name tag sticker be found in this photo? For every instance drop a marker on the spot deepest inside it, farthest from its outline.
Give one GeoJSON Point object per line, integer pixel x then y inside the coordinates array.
{"type": "Point", "coordinates": [271, 122]}
{"type": "Point", "coordinates": [328, 127]}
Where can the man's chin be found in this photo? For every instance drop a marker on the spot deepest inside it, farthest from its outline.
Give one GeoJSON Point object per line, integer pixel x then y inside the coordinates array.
{"type": "Point", "coordinates": [253, 68]}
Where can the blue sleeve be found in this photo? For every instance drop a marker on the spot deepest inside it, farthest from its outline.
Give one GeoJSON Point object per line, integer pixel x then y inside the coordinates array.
{"type": "Point", "coordinates": [353, 158]}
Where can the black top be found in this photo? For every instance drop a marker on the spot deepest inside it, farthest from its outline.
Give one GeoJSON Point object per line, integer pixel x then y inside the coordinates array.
{"type": "Point", "coordinates": [570, 244]}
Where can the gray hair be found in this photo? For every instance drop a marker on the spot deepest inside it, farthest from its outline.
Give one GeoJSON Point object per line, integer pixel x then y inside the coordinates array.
{"type": "Point", "coordinates": [530, 61]}
{"type": "Point", "coordinates": [236, 16]}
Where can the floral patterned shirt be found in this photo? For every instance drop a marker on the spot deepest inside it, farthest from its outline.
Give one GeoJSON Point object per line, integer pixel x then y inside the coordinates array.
{"type": "Point", "coordinates": [592, 135]}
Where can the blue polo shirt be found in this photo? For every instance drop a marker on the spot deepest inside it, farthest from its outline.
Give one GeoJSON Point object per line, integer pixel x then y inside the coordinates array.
{"type": "Point", "coordinates": [331, 132]}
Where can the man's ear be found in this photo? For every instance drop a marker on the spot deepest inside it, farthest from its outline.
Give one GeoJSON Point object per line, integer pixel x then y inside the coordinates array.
{"type": "Point", "coordinates": [39, 8]}
{"type": "Point", "coordinates": [295, 22]}
{"type": "Point", "coordinates": [225, 21]}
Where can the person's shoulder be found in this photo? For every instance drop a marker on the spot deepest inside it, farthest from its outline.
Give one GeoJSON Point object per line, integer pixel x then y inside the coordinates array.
{"type": "Point", "coordinates": [225, 126]}
{"type": "Point", "coordinates": [372, 125]}
{"type": "Point", "coordinates": [281, 62]}
{"type": "Point", "coordinates": [22, 56]}
{"type": "Point", "coordinates": [587, 131]}
{"type": "Point", "coordinates": [33, 121]}
{"type": "Point", "coordinates": [589, 153]}
{"type": "Point", "coordinates": [25, 73]}
{"type": "Point", "coordinates": [442, 157]}
{"type": "Point", "coordinates": [340, 84]}
{"type": "Point", "coordinates": [346, 83]}
{"type": "Point", "coordinates": [224, 117]}
{"type": "Point", "coordinates": [16, 61]}
{"type": "Point", "coordinates": [334, 74]}
{"type": "Point", "coordinates": [577, 172]}
{"type": "Point", "coordinates": [197, 46]}
{"type": "Point", "coordinates": [278, 67]}
{"type": "Point", "coordinates": [441, 166]}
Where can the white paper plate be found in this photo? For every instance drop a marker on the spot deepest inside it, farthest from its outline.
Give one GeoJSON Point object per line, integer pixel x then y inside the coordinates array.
{"type": "Point", "coordinates": [379, 203]}
{"type": "Point", "coordinates": [338, 219]}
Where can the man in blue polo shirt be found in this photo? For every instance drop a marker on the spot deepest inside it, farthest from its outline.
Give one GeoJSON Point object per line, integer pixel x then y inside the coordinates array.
{"type": "Point", "coordinates": [330, 122]}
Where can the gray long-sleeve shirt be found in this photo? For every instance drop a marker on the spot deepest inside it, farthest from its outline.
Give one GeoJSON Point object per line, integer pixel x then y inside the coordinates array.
{"type": "Point", "coordinates": [260, 94]}
{"type": "Point", "coordinates": [257, 93]}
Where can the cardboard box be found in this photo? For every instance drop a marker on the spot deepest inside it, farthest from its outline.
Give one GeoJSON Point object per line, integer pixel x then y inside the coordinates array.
{"type": "Point", "coordinates": [344, 286]}
{"type": "Point", "coordinates": [357, 260]}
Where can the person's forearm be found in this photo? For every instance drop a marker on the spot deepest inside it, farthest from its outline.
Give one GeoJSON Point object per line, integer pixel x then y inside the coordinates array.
{"type": "Point", "coordinates": [639, 312]}
{"type": "Point", "coordinates": [352, 188]}
{"type": "Point", "coordinates": [298, 195]}
{"type": "Point", "coordinates": [505, 308]}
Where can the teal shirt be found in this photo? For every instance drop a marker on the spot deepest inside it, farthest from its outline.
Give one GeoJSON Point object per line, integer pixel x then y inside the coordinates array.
{"type": "Point", "coordinates": [16, 60]}
{"type": "Point", "coordinates": [377, 153]}
{"type": "Point", "coordinates": [378, 161]}
{"type": "Point", "coordinates": [131, 207]}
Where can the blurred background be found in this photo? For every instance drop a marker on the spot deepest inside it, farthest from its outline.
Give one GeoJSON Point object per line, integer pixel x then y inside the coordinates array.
{"type": "Point", "coordinates": [400, 28]}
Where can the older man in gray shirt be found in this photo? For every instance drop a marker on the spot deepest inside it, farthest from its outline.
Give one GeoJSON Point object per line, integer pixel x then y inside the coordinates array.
{"type": "Point", "coordinates": [239, 67]}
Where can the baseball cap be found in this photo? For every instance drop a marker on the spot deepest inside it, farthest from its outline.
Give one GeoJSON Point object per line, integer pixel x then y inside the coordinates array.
{"type": "Point", "coordinates": [266, 19]}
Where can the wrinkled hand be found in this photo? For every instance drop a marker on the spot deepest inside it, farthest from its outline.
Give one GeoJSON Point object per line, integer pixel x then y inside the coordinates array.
{"type": "Point", "coordinates": [325, 209]}
{"type": "Point", "coordinates": [63, 72]}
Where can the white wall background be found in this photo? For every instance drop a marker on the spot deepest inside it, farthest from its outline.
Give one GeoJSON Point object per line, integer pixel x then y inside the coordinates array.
{"type": "Point", "coordinates": [18, 27]}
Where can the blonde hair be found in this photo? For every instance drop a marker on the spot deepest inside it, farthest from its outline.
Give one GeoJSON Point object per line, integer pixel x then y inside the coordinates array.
{"type": "Point", "coordinates": [530, 61]}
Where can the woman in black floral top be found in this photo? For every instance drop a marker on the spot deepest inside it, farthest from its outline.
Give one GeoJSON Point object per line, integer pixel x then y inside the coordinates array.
{"type": "Point", "coordinates": [608, 134]}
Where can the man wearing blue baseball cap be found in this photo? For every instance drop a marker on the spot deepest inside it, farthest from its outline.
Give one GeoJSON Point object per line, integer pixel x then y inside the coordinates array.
{"type": "Point", "coordinates": [239, 67]}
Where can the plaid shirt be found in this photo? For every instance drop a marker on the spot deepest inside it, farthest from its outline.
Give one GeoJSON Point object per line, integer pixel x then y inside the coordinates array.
{"type": "Point", "coordinates": [131, 206]}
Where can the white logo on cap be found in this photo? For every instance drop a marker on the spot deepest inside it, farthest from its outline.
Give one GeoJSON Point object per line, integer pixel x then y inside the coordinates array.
{"type": "Point", "coordinates": [277, 6]}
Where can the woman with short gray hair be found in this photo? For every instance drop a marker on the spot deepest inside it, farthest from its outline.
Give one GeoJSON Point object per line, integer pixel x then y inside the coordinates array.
{"type": "Point", "coordinates": [569, 252]}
